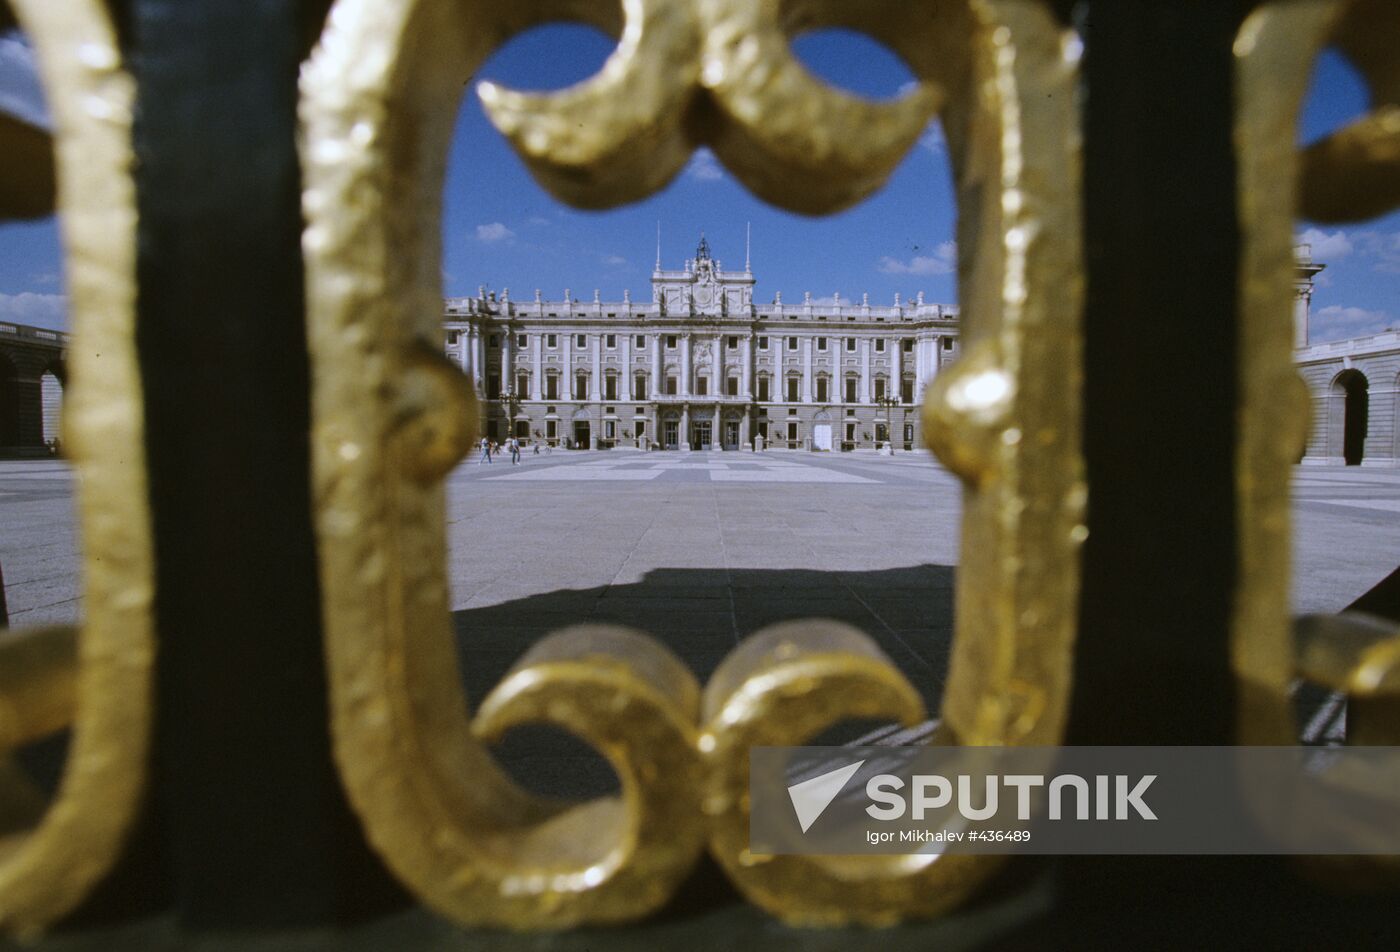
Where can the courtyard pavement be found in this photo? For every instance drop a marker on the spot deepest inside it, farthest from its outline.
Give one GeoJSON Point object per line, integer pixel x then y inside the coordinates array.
{"type": "Point", "coordinates": [703, 549]}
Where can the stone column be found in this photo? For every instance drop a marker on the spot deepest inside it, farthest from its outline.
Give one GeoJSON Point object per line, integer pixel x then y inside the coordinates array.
{"type": "Point", "coordinates": [744, 430]}
{"type": "Point", "coordinates": [746, 356]}
{"type": "Point", "coordinates": [625, 383]}
{"type": "Point", "coordinates": [479, 361]}
{"type": "Point", "coordinates": [507, 364]}
{"type": "Point", "coordinates": [537, 374]}
{"type": "Point", "coordinates": [806, 370]}
{"type": "Point", "coordinates": [685, 365]}
{"type": "Point", "coordinates": [469, 352]}
{"type": "Point", "coordinates": [656, 366]}
{"type": "Point", "coordinates": [864, 390]}
{"type": "Point", "coordinates": [683, 441]}
{"type": "Point", "coordinates": [568, 372]}
{"type": "Point", "coordinates": [595, 379]}
{"type": "Point", "coordinates": [716, 437]}
{"type": "Point", "coordinates": [918, 369]}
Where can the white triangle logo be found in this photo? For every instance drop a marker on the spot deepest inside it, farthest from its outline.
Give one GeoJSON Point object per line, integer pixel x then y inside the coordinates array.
{"type": "Point", "coordinates": [810, 798]}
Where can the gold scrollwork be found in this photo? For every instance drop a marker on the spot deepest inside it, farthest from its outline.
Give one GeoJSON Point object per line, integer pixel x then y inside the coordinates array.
{"type": "Point", "coordinates": [378, 100]}
{"type": "Point", "coordinates": [1274, 51]}
{"type": "Point", "coordinates": [101, 685]}
{"type": "Point", "coordinates": [1354, 173]}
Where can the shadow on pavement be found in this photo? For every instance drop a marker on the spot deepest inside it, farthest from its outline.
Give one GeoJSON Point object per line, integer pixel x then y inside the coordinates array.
{"type": "Point", "coordinates": [701, 615]}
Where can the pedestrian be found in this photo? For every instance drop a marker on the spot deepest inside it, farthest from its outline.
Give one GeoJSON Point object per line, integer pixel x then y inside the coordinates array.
{"type": "Point", "coordinates": [514, 451]}
{"type": "Point", "coordinates": [537, 448]}
{"type": "Point", "coordinates": [485, 451]}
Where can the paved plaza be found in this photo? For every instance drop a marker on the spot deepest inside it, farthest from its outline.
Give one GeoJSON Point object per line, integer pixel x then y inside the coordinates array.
{"type": "Point", "coordinates": [703, 549]}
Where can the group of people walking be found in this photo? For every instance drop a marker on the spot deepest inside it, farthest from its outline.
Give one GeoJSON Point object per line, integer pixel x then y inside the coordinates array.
{"type": "Point", "coordinates": [490, 448]}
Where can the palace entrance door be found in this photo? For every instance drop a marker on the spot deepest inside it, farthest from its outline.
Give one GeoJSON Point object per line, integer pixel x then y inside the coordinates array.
{"type": "Point", "coordinates": [672, 430]}
{"type": "Point", "coordinates": [701, 435]}
{"type": "Point", "coordinates": [731, 434]}
{"type": "Point", "coordinates": [581, 435]}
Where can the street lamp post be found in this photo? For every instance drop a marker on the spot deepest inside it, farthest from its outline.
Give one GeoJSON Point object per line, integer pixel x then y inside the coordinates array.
{"type": "Point", "coordinates": [888, 403]}
{"type": "Point", "coordinates": [511, 401]}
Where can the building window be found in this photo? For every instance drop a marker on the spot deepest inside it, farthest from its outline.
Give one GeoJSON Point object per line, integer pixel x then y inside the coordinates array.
{"type": "Point", "coordinates": [581, 387]}
{"type": "Point", "coordinates": [821, 389]}
{"type": "Point", "coordinates": [879, 345]}
{"type": "Point", "coordinates": [947, 343]}
{"type": "Point", "coordinates": [641, 341]}
{"type": "Point", "coordinates": [879, 389]}
{"type": "Point", "coordinates": [493, 341]}
{"type": "Point", "coordinates": [792, 389]}
{"type": "Point", "coordinates": [609, 429]}
{"type": "Point", "coordinates": [551, 341]}
{"type": "Point", "coordinates": [850, 389]}
{"type": "Point", "coordinates": [792, 343]}
{"type": "Point", "coordinates": [763, 389]}
{"type": "Point", "coordinates": [733, 342]}
{"type": "Point", "coordinates": [639, 387]}
{"type": "Point", "coordinates": [850, 345]}
{"type": "Point", "coordinates": [581, 341]}
{"type": "Point", "coordinates": [610, 387]}
{"type": "Point", "coordinates": [906, 391]}
{"type": "Point", "coordinates": [908, 345]}
{"type": "Point", "coordinates": [670, 341]}
{"type": "Point", "coordinates": [493, 387]}
{"type": "Point", "coordinates": [523, 341]}
{"type": "Point", "coordinates": [551, 429]}
{"type": "Point", "coordinates": [821, 344]}
{"type": "Point", "coordinates": [731, 386]}
{"type": "Point", "coordinates": [551, 387]}
{"type": "Point", "coordinates": [612, 342]}
{"type": "Point", "coordinates": [452, 337]}
{"type": "Point", "coordinates": [522, 384]}
{"type": "Point", "coordinates": [671, 386]}
{"type": "Point", "coordinates": [792, 432]}
{"type": "Point", "coordinates": [763, 343]}
{"type": "Point", "coordinates": [702, 386]}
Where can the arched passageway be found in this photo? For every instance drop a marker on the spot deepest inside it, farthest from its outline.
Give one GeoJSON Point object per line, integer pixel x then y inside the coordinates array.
{"type": "Point", "coordinates": [1350, 415]}
{"type": "Point", "coordinates": [9, 404]}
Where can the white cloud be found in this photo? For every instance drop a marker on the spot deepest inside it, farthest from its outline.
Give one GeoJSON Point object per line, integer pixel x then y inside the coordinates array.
{"type": "Point", "coordinates": [493, 232]}
{"type": "Point", "coordinates": [20, 93]}
{"type": "Point", "coordinates": [704, 167]}
{"type": "Point", "coordinates": [39, 310]}
{"type": "Point", "coordinates": [539, 221]}
{"type": "Point", "coordinates": [1325, 247]}
{"type": "Point", "coordinates": [932, 140]}
{"type": "Point", "coordinates": [1385, 249]}
{"type": "Point", "coordinates": [944, 260]}
{"type": "Point", "coordinates": [1338, 322]}
{"type": "Point", "coordinates": [614, 260]}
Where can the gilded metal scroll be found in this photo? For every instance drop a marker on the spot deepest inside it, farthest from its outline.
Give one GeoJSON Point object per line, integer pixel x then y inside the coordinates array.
{"type": "Point", "coordinates": [1354, 173]}
{"type": "Point", "coordinates": [378, 102]}
{"type": "Point", "coordinates": [1273, 52]}
{"type": "Point", "coordinates": [102, 687]}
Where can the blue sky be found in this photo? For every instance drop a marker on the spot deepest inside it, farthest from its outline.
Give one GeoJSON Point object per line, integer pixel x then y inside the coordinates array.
{"type": "Point", "coordinates": [502, 230]}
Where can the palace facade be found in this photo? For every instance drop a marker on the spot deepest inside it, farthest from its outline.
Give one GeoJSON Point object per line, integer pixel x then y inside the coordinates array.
{"type": "Point", "coordinates": [701, 366]}
{"type": "Point", "coordinates": [1354, 385]}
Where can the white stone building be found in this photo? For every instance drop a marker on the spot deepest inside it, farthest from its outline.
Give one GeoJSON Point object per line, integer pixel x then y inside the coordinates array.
{"type": "Point", "coordinates": [1354, 386]}
{"type": "Point", "coordinates": [700, 365]}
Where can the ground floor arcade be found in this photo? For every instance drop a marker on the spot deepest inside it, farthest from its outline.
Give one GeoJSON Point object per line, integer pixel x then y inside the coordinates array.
{"type": "Point", "coordinates": [704, 425]}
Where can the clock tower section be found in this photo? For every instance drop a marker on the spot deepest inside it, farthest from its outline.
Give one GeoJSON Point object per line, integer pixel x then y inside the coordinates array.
{"type": "Point", "coordinates": [703, 288]}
